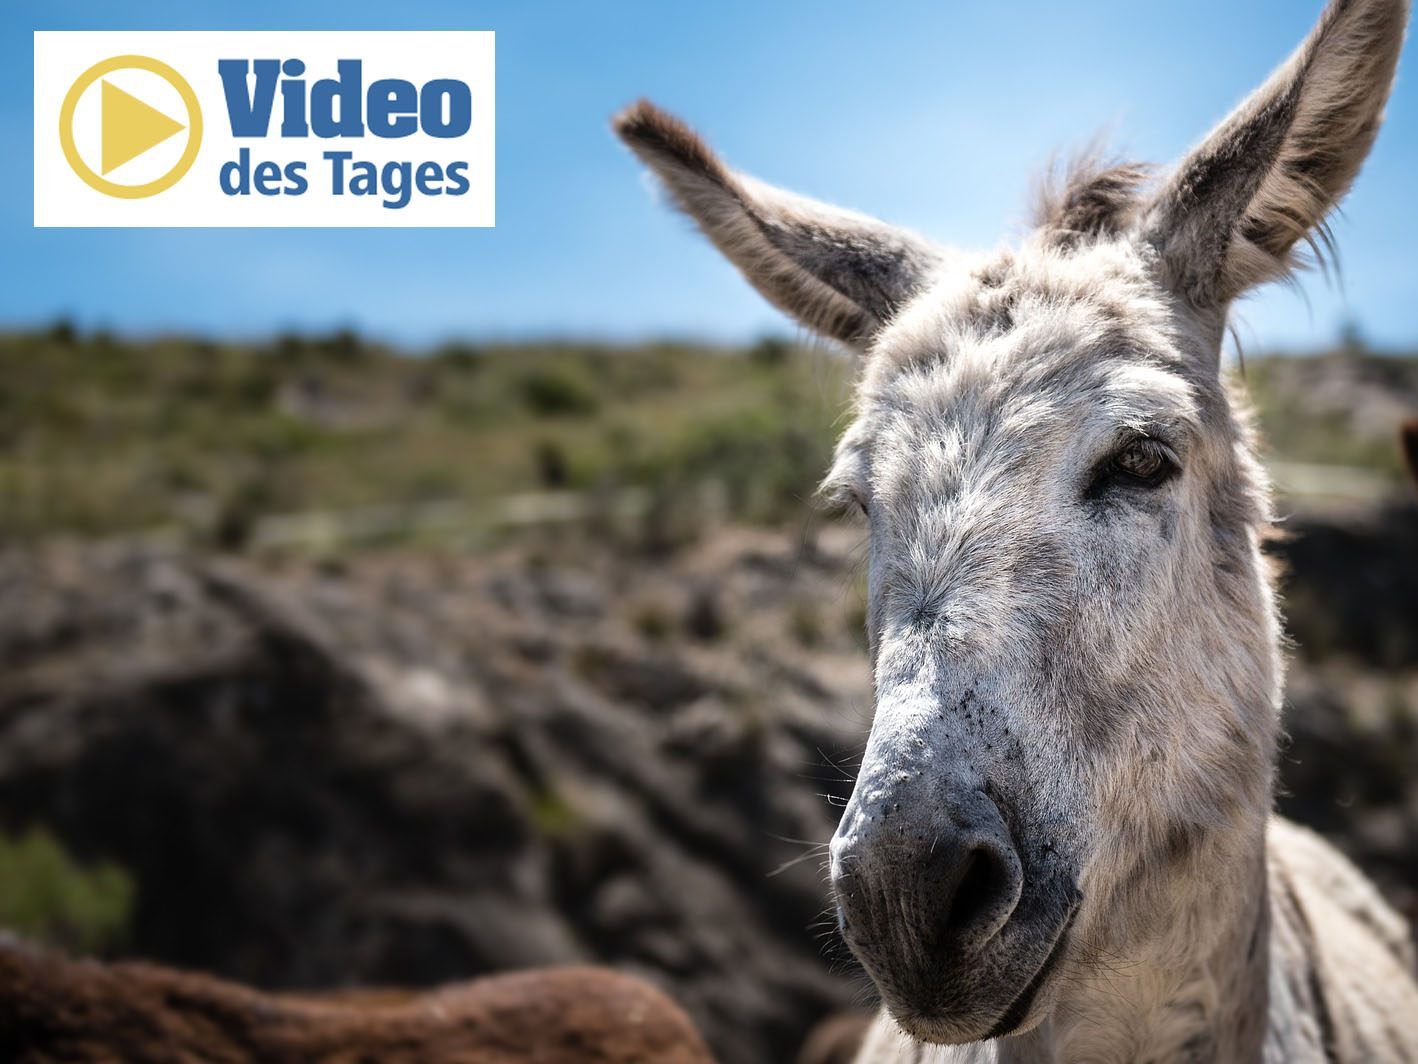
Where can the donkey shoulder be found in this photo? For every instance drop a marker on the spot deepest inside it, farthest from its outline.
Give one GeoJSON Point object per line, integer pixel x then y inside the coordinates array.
{"type": "Point", "coordinates": [1317, 868]}
{"type": "Point", "coordinates": [1343, 958]}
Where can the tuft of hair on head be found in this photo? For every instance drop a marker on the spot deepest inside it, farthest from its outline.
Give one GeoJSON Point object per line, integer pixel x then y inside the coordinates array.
{"type": "Point", "coordinates": [1088, 197]}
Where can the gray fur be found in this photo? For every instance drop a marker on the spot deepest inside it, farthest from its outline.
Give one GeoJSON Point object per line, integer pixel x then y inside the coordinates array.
{"type": "Point", "coordinates": [1060, 846]}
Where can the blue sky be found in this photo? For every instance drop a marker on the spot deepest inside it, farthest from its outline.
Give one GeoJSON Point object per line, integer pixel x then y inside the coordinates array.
{"type": "Point", "coordinates": [934, 115]}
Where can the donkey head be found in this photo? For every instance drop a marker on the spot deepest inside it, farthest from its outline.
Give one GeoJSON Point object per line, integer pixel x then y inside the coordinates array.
{"type": "Point", "coordinates": [1072, 635]}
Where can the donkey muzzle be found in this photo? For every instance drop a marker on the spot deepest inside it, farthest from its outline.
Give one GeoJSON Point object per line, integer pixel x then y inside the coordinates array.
{"type": "Point", "coordinates": [934, 900]}
{"type": "Point", "coordinates": [923, 874]}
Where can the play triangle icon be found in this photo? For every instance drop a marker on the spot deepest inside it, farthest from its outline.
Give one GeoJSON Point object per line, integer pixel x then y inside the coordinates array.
{"type": "Point", "coordinates": [130, 127]}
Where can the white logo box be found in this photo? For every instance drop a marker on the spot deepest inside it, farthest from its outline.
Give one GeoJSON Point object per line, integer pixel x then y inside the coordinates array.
{"type": "Point", "coordinates": [124, 107]}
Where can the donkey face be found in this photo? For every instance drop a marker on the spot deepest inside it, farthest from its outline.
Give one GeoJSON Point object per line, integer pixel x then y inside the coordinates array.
{"type": "Point", "coordinates": [1063, 584]}
{"type": "Point", "coordinates": [1072, 639]}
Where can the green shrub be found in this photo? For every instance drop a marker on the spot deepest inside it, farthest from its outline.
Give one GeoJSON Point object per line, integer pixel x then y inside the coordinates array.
{"type": "Point", "coordinates": [47, 895]}
{"type": "Point", "coordinates": [457, 357]}
{"type": "Point", "coordinates": [770, 351]}
{"type": "Point", "coordinates": [551, 391]}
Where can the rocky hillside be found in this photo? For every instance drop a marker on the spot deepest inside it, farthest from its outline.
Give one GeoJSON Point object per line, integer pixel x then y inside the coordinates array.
{"type": "Point", "coordinates": [410, 771]}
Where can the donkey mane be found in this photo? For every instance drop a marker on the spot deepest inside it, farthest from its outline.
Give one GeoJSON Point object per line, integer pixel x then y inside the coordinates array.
{"type": "Point", "coordinates": [1090, 196]}
{"type": "Point", "coordinates": [1094, 196]}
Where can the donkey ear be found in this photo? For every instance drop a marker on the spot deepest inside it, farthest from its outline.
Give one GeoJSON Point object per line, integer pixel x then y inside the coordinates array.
{"type": "Point", "coordinates": [1231, 215]}
{"type": "Point", "coordinates": [839, 273]}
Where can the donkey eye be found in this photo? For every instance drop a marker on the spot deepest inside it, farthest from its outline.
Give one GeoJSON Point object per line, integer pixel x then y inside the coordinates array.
{"type": "Point", "coordinates": [1142, 459]}
{"type": "Point", "coordinates": [1143, 463]}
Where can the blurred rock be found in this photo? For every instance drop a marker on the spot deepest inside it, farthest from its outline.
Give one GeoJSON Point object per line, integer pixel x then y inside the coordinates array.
{"type": "Point", "coordinates": [405, 770]}
{"type": "Point", "coordinates": [1348, 767]}
{"type": "Point", "coordinates": [1350, 584]}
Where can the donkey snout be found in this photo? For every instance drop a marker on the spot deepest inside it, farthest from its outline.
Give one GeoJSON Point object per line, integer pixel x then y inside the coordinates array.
{"type": "Point", "coordinates": [916, 878]}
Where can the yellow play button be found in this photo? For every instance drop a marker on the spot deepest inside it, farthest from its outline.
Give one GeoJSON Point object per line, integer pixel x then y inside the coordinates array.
{"type": "Point", "coordinates": [131, 127]}
{"type": "Point", "coordinates": [120, 110]}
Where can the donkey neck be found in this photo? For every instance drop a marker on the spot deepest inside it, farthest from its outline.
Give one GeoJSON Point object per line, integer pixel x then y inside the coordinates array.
{"type": "Point", "coordinates": [1195, 990]}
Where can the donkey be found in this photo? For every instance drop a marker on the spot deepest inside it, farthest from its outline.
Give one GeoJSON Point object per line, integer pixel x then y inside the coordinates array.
{"type": "Point", "coordinates": [1060, 846]}
{"type": "Point", "coordinates": [57, 1009]}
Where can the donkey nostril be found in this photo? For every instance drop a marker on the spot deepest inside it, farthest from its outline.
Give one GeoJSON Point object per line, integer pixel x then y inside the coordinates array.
{"type": "Point", "coordinates": [983, 898]}
{"type": "Point", "coordinates": [974, 892]}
